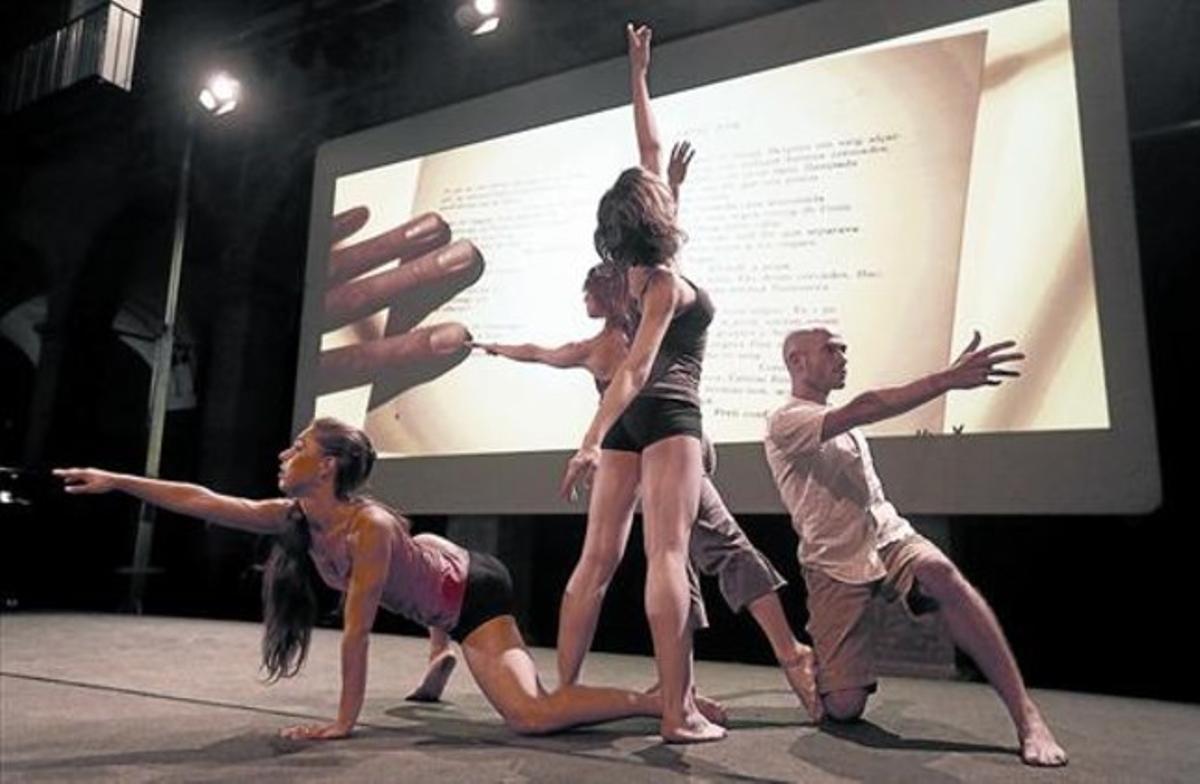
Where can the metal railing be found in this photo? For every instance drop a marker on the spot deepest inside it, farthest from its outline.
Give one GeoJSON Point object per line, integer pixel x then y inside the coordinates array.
{"type": "Point", "coordinates": [99, 43]}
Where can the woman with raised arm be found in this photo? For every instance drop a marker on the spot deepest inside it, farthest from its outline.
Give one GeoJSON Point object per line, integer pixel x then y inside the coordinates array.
{"type": "Point", "coordinates": [363, 548]}
{"type": "Point", "coordinates": [646, 433]}
{"type": "Point", "coordinates": [718, 546]}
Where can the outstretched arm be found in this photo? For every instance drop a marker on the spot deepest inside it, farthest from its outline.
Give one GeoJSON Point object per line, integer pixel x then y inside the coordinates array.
{"type": "Point", "coordinates": [261, 517]}
{"type": "Point", "coordinates": [648, 141]}
{"type": "Point", "coordinates": [370, 558]}
{"type": "Point", "coordinates": [975, 367]}
{"type": "Point", "coordinates": [568, 355]}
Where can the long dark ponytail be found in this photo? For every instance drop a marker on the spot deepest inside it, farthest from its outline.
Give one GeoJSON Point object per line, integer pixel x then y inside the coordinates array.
{"type": "Point", "coordinates": [289, 601]}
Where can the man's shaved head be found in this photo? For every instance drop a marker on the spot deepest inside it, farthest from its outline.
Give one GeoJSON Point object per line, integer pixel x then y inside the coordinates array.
{"type": "Point", "coordinates": [801, 341]}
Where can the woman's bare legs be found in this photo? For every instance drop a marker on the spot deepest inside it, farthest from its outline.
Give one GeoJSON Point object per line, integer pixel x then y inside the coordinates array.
{"type": "Point", "coordinates": [610, 515]}
{"type": "Point", "coordinates": [671, 472]}
{"type": "Point", "coordinates": [441, 663]}
{"type": "Point", "coordinates": [507, 676]}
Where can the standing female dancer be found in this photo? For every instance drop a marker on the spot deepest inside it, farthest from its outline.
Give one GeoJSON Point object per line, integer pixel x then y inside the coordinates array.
{"type": "Point", "coordinates": [718, 545]}
{"type": "Point", "coordinates": [646, 433]}
{"type": "Point", "coordinates": [604, 297]}
{"type": "Point", "coordinates": [363, 548]}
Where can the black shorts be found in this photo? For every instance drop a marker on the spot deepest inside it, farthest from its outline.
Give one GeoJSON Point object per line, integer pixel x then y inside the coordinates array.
{"type": "Point", "coordinates": [489, 594]}
{"type": "Point", "coordinates": [651, 419]}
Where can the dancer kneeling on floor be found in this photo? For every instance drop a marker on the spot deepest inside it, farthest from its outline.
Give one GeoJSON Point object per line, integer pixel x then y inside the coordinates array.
{"type": "Point", "coordinates": [359, 546]}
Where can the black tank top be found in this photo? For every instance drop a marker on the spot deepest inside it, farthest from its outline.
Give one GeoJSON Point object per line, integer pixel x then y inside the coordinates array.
{"type": "Point", "coordinates": [675, 374]}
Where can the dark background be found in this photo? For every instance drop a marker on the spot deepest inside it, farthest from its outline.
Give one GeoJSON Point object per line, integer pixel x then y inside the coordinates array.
{"type": "Point", "coordinates": [1095, 603]}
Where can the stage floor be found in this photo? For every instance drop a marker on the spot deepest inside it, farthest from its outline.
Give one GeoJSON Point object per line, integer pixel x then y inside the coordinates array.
{"type": "Point", "coordinates": [121, 698]}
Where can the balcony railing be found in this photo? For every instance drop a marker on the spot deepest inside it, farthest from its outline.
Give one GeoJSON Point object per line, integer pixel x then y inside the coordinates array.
{"type": "Point", "coordinates": [98, 44]}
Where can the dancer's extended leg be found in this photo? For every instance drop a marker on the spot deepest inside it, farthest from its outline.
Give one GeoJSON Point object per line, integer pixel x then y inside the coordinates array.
{"type": "Point", "coordinates": [974, 628]}
{"type": "Point", "coordinates": [507, 676]}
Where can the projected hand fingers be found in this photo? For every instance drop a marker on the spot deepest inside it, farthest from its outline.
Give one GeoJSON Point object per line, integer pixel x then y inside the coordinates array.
{"type": "Point", "coordinates": [407, 360]}
{"type": "Point", "coordinates": [414, 288]}
{"type": "Point", "coordinates": [408, 240]}
{"type": "Point", "coordinates": [348, 222]}
{"type": "Point", "coordinates": [431, 270]}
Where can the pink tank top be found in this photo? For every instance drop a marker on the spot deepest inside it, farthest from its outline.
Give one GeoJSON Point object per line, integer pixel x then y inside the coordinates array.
{"type": "Point", "coordinates": [426, 578]}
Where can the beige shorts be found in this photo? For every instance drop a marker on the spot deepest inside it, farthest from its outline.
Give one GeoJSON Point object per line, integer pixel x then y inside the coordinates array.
{"type": "Point", "coordinates": [839, 618]}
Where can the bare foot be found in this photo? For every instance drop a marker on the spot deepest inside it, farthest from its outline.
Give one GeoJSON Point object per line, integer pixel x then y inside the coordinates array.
{"type": "Point", "coordinates": [801, 674]}
{"type": "Point", "coordinates": [436, 675]}
{"type": "Point", "coordinates": [1039, 748]}
{"type": "Point", "coordinates": [708, 707]}
{"type": "Point", "coordinates": [693, 729]}
{"type": "Point", "coordinates": [711, 710]}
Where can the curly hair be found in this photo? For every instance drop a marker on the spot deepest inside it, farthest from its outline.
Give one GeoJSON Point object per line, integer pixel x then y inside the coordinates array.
{"type": "Point", "coordinates": [635, 222]}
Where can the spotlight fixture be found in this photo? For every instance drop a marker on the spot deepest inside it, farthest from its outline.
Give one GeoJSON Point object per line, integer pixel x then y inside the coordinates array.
{"type": "Point", "coordinates": [220, 95]}
{"type": "Point", "coordinates": [479, 17]}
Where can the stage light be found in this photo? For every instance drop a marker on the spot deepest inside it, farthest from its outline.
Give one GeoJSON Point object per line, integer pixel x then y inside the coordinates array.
{"type": "Point", "coordinates": [220, 95]}
{"type": "Point", "coordinates": [480, 17]}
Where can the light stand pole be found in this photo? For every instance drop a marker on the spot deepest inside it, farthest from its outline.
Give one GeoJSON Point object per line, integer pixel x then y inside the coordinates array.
{"type": "Point", "coordinates": [160, 377]}
{"type": "Point", "coordinates": [218, 97]}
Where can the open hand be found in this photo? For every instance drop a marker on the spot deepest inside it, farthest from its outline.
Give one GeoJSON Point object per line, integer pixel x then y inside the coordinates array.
{"type": "Point", "coordinates": [976, 366]}
{"type": "Point", "coordinates": [677, 167]}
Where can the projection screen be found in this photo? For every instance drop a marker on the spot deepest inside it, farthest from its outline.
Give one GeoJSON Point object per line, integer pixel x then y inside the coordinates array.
{"type": "Point", "coordinates": [903, 174]}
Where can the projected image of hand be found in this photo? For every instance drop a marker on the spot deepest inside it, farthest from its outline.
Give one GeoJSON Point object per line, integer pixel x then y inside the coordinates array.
{"type": "Point", "coordinates": [432, 270]}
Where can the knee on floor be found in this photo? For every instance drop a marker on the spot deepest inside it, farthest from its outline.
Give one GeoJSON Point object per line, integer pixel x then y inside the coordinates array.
{"type": "Point", "coordinates": [845, 705]}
